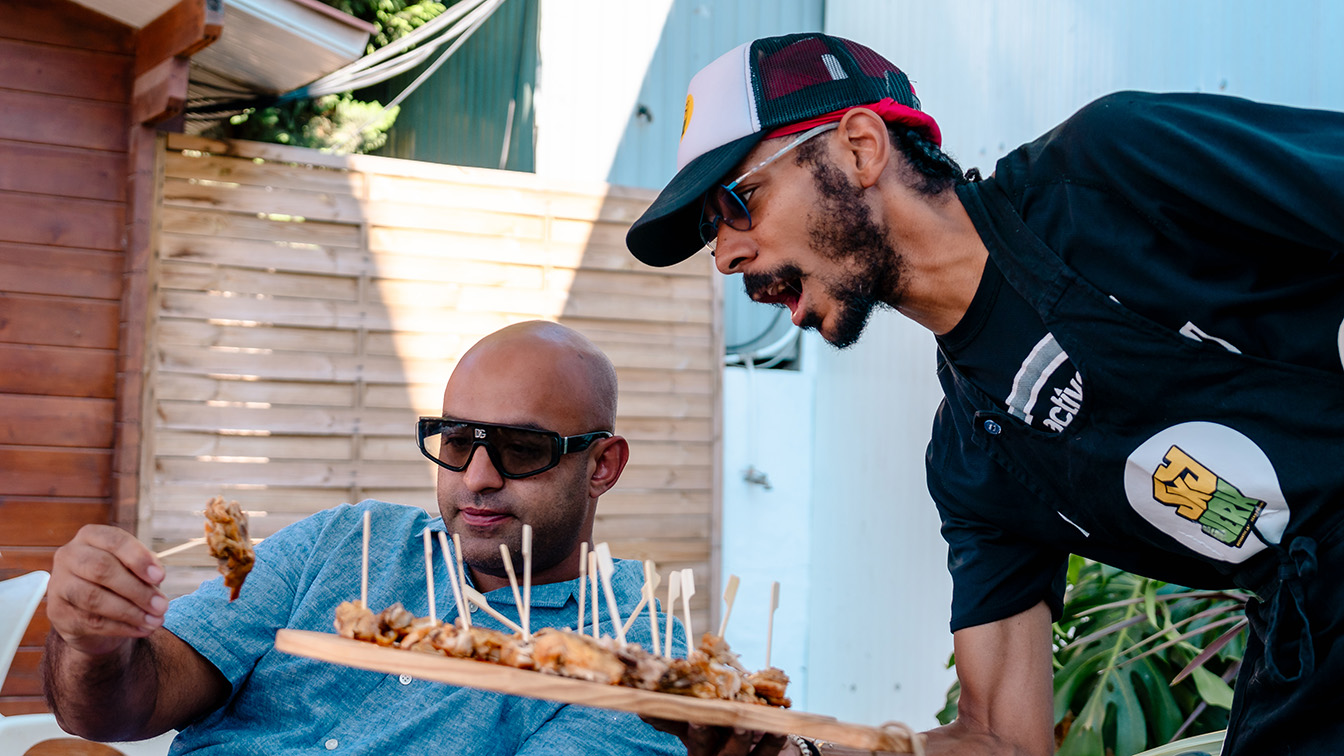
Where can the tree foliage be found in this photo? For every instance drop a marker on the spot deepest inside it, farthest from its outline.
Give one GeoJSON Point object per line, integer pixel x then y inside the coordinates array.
{"type": "Point", "coordinates": [1138, 662]}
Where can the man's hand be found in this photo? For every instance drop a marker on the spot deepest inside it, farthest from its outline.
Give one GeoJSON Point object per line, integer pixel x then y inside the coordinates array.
{"type": "Point", "coordinates": [706, 740]}
{"type": "Point", "coordinates": [110, 671]}
{"type": "Point", "coordinates": [104, 591]}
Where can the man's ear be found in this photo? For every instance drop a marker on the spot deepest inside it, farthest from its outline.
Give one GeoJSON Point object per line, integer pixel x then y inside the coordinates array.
{"type": "Point", "coordinates": [607, 465]}
{"type": "Point", "coordinates": [863, 135]}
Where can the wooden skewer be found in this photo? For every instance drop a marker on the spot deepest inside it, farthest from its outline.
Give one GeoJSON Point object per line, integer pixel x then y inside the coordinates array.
{"type": "Point", "coordinates": [429, 576]}
{"type": "Point", "coordinates": [729, 594]}
{"type": "Point", "coordinates": [645, 599]}
{"type": "Point", "coordinates": [607, 568]}
{"type": "Point", "coordinates": [364, 566]}
{"type": "Point", "coordinates": [477, 598]}
{"type": "Point", "coordinates": [513, 583]}
{"type": "Point", "coordinates": [452, 575]}
{"type": "Point", "coordinates": [592, 577]}
{"type": "Point", "coordinates": [462, 575]}
{"type": "Point", "coordinates": [191, 544]}
{"type": "Point", "coordinates": [673, 591]}
{"type": "Point", "coordinates": [651, 585]}
{"type": "Point", "coordinates": [526, 615]}
{"type": "Point", "coordinates": [687, 590]}
{"type": "Point", "coordinates": [583, 582]}
{"type": "Point", "coordinates": [770, 626]}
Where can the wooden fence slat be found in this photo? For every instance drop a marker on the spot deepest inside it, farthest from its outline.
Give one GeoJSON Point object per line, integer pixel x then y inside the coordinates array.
{"type": "Point", "coordinates": [237, 281]}
{"type": "Point", "coordinates": [519, 199]}
{"type": "Point", "coordinates": [200, 388]}
{"type": "Point", "coordinates": [222, 168]}
{"type": "Point", "coordinates": [574, 251]}
{"type": "Point", "coordinates": [206, 446]}
{"type": "Point", "coordinates": [265, 254]}
{"type": "Point", "coordinates": [272, 339]}
{"type": "Point", "coordinates": [248, 200]}
{"type": "Point", "coordinates": [188, 221]}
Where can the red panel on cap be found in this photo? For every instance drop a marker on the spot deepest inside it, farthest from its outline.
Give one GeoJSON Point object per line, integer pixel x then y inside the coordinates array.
{"type": "Point", "coordinates": [794, 67]}
{"type": "Point", "coordinates": [889, 110]}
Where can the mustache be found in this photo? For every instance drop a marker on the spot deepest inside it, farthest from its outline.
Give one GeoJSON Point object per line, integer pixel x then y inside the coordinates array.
{"type": "Point", "coordinates": [756, 284]}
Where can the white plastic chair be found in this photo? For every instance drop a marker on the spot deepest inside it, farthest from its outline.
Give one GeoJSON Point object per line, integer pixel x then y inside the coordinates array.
{"type": "Point", "coordinates": [22, 732]}
{"type": "Point", "coordinates": [19, 598]}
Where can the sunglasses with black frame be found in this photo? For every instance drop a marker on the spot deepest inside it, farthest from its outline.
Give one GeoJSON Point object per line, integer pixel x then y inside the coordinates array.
{"type": "Point", "coordinates": [516, 451]}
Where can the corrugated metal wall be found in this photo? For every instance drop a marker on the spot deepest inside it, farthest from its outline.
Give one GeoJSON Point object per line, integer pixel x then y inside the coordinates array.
{"type": "Point", "coordinates": [995, 74]}
{"type": "Point", "coordinates": [477, 109]}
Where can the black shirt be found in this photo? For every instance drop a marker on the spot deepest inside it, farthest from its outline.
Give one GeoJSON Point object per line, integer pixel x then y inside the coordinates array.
{"type": "Point", "coordinates": [1215, 217]}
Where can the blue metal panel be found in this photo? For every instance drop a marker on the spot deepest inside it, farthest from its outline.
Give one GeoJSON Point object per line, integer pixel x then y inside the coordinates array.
{"type": "Point", "coordinates": [696, 32]}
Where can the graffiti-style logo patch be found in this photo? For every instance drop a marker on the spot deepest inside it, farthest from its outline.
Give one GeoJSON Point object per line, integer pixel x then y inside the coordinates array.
{"type": "Point", "coordinates": [1198, 494]}
{"type": "Point", "coordinates": [1209, 487]}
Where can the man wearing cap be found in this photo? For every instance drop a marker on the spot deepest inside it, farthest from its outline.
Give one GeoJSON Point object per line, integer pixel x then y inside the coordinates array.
{"type": "Point", "coordinates": [1140, 329]}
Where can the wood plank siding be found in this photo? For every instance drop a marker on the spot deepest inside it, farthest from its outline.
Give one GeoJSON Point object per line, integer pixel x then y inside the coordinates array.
{"type": "Point", "coordinates": [309, 307]}
{"type": "Point", "coordinates": [65, 77]}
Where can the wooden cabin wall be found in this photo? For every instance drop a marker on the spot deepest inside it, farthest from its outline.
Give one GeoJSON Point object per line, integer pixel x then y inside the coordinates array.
{"type": "Point", "coordinates": [65, 78]}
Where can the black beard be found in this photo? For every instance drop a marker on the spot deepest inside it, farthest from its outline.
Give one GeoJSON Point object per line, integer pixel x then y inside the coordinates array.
{"type": "Point", "coordinates": [843, 230]}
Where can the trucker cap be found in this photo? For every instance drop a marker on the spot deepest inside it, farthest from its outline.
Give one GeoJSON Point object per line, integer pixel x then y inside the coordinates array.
{"type": "Point", "coordinates": [756, 91]}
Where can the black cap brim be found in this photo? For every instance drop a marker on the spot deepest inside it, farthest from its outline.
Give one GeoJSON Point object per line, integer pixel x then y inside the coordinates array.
{"type": "Point", "coordinates": [669, 231]}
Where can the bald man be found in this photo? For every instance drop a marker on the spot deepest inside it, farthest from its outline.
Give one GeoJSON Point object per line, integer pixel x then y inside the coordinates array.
{"type": "Point", "coordinates": [527, 436]}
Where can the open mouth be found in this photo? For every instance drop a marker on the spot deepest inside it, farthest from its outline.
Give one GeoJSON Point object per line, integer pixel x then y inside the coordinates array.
{"type": "Point", "coordinates": [782, 290]}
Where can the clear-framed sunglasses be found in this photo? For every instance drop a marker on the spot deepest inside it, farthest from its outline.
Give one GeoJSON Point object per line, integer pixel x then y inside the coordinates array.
{"type": "Point", "coordinates": [724, 205]}
{"type": "Point", "coordinates": [516, 452]}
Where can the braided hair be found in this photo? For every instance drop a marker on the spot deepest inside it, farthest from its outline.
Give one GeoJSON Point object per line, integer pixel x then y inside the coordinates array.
{"type": "Point", "coordinates": [935, 170]}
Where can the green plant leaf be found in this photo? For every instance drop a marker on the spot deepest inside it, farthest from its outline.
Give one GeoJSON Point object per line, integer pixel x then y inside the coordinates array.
{"type": "Point", "coordinates": [1212, 689]}
{"type": "Point", "coordinates": [1164, 714]}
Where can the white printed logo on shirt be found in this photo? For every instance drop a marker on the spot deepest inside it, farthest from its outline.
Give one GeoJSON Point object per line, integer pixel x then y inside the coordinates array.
{"type": "Point", "coordinates": [1209, 487]}
{"type": "Point", "coordinates": [1341, 343]}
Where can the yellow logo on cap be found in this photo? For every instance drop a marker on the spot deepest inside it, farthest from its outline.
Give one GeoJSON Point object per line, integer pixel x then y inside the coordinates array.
{"type": "Point", "coordinates": [686, 118]}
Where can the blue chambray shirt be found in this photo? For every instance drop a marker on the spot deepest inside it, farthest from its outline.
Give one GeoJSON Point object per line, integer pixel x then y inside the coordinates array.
{"type": "Point", "coordinates": [283, 704]}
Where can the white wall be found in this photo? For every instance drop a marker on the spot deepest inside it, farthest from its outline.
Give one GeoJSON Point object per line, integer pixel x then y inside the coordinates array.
{"type": "Point", "coordinates": [878, 640]}
{"type": "Point", "coordinates": [768, 425]}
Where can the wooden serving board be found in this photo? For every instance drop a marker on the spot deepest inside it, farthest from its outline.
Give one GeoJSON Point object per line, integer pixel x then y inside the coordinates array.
{"type": "Point", "coordinates": [521, 682]}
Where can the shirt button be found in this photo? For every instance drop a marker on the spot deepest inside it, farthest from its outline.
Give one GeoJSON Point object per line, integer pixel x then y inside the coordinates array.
{"type": "Point", "coordinates": [473, 608]}
{"type": "Point", "coordinates": [331, 744]}
{"type": "Point", "coordinates": [992, 428]}
{"type": "Point", "coordinates": [404, 679]}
